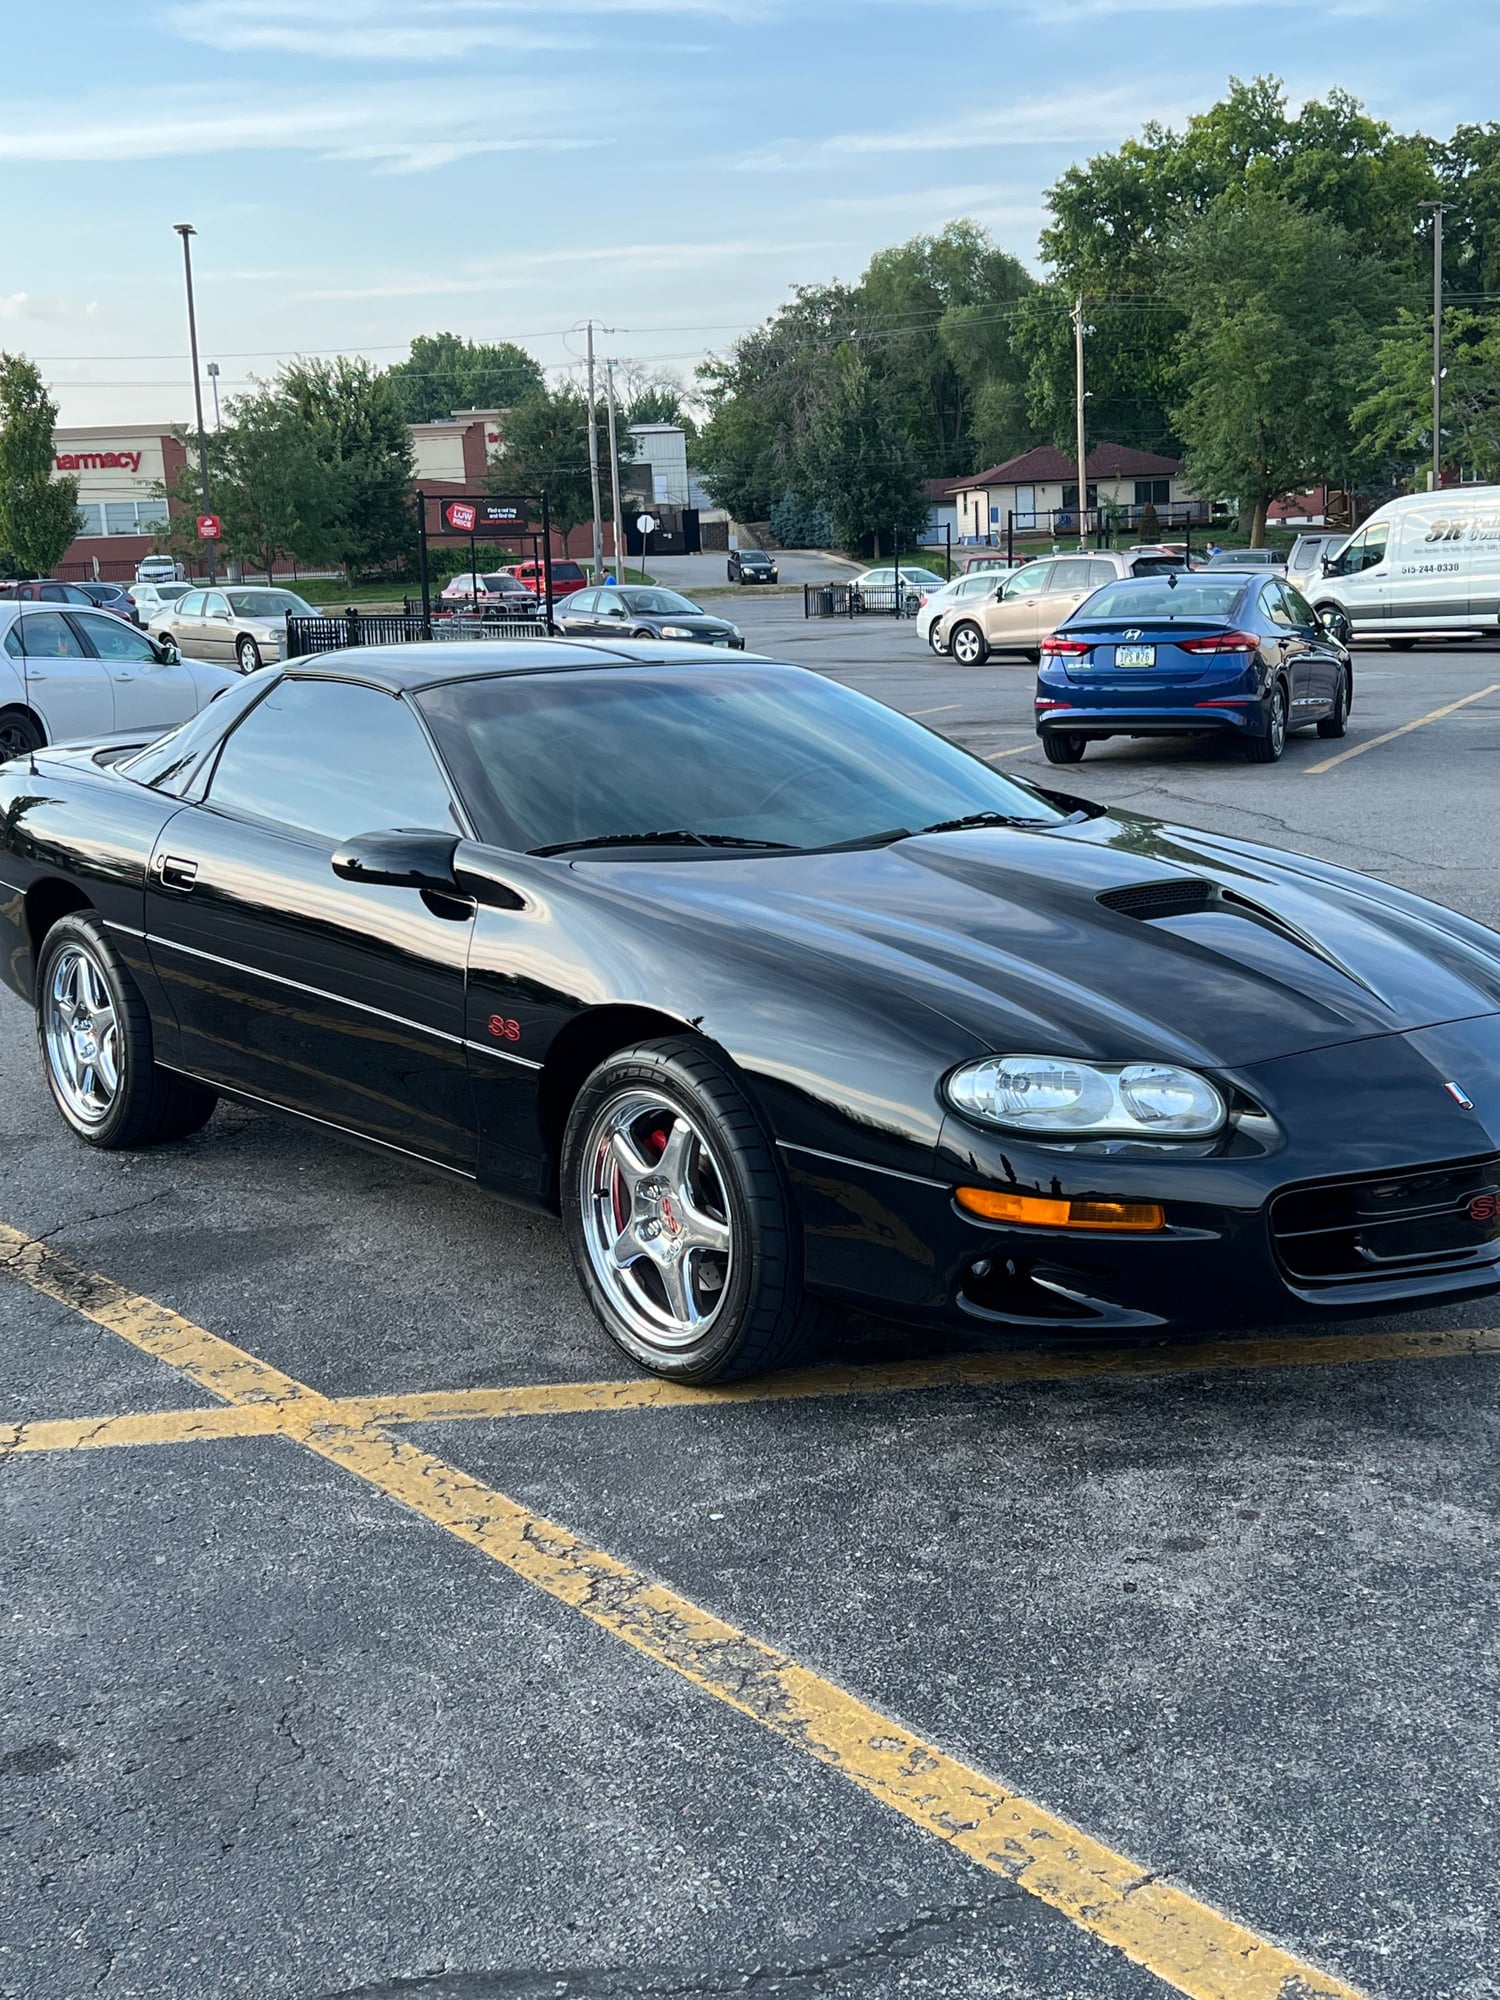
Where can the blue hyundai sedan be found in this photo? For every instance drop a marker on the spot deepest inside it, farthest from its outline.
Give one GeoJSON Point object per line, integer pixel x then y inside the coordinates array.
{"type": "Point", "coordinates": [1191, 654]}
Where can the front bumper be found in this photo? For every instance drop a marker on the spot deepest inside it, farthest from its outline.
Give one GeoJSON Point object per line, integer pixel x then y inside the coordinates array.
{"type": "Point", "coordinates": [1367, 1188]}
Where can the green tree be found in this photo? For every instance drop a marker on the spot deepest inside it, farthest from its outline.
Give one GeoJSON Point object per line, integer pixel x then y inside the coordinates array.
{"type": "Point", "coordinates": [38, 512]}
{"type": "Point", "coordinates": [1279, 310]}
{"type": "Point", "coordinates": [1468, 169]}
{"type": "Point", "coordinates": [1394, 422]}
{"type": "Point", "coordinates": [547, 451]}
{"type": "Point", "coordinates": [354, 418]}
{"type": "Point", "coordinates": [279, 495]}
{"type": "Point", "coordinates": [861, 465]}
{"type": "Point", "coordinates": [444, 373]}
{"type": "Point", "coordinates": [744, 463]}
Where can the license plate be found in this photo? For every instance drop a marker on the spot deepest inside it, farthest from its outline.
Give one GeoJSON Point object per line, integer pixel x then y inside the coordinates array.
{"type": "Point", "coordinates": [1135, 656]}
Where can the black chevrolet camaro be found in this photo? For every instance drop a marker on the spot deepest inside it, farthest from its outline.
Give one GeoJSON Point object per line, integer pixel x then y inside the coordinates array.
{"type": "Point", "coordinates": [779, 997]}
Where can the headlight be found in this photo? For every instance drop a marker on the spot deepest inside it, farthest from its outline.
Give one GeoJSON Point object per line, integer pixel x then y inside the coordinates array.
{"type": "Point", "coordinates": [735, 632]}
{"type": "Point", "coordinates": [676, 632]}
{"type": "Point", "coordinates": [1056, 1097]}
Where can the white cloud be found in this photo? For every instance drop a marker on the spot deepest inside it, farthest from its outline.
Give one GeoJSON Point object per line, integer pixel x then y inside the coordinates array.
{"type": "Point", "coordinates": [28, 306]}
{"type": "Point", "coordinates": [1065, 118]}
{"type": "Point", "coordinates": [395, 130]}
{"type": "Point", "coordinates": [418, 31]}
{"type": "Point", "coordinates": [640, 260]}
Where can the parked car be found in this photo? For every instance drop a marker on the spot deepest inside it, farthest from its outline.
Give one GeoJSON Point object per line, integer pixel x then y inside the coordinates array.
{"type": "Point", "coordinates": [871, 583]}
{"type": "Point", "coordinates": [1424, 566]}
{"type": "Point", "coordinates": [244, 625]}
{"type": "Point", "coordinates": [1237, 655]}
{"type": "Point", "coordinates": [497, 593]}
{"type": "Point", "coordinates": [159, 569]}
{"type": "Point", "coordinates": [1304, 563]}
{"type": "Point", "coordinates": [566, 578]}
{"type": "Point", "coordinates": [1247, 559]}
{"type": "Point", "coordinates": [149, 600]}
{"type": "Point", "coordinates": [779, 998]}
{"type": "Point", "coordinates": [1032, 601]}
{"type": "Point", "coordinates": [67, 673]}
{"type": "Point", "coordinates": [643, 611]}
{"type": "Point", "coordinates": [109, 597]}
{"type": "Point", "coordinates": [43, 590]}
{"type": "Point", "coordinates": [975, 585]}
{"type": "Point", "coordinates": [751, 566]}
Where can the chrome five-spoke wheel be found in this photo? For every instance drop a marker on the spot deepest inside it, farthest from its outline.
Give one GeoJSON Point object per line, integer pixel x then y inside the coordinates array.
{"type": "Point", "coordinates": [81, 1033]}
{"type": "Point", "coordinates": [656, 1218]}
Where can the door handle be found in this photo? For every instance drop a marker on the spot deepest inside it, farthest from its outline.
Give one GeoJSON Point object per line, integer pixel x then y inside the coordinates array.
{"type": "Point", "coordinates": [124, 677]}
{"type": "Point", "coordinates": [176, 872]}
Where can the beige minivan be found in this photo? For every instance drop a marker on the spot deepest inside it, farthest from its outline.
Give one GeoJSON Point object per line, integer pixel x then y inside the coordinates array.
{"type": "Point", "coordinates": [1032, 601]}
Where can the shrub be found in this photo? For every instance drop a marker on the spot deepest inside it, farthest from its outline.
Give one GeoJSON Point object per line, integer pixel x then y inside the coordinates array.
{"type": "Point", "coordinates": [798, 523]}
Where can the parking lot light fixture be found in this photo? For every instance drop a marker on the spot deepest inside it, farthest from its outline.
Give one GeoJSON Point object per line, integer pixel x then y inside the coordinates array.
{"type": "Point", "coordinates": [186, 231]}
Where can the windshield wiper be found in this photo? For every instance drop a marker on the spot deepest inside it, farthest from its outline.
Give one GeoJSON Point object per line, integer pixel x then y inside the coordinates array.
{"type": "Point", "coordinates": [674, 837]}
{"type": "Point", "coordinates": [980, 819]}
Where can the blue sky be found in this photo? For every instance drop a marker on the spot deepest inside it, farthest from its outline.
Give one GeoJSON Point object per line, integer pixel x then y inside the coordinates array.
{"type": "Point", "coordinates": [363, 170]}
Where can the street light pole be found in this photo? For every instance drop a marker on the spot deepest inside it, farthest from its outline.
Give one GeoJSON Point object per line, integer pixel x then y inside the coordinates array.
{"type": "Point", "coordinates": [614, 471]}
{"type": "Point", "coordinates": [186, 231]}
{"type": "Point", "coordinates": [1083, 475]}
{"type": "Point", "coordinates": [594, 468]}
{"type": "Point", "coordinates": [1439, 210]}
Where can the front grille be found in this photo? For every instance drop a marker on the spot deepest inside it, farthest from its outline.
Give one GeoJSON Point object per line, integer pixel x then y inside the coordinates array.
{"type": "Point", "coordinates": [1391, 1225]}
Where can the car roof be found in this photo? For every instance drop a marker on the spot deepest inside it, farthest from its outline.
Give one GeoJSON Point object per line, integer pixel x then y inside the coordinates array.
{"type": "Point", "coordinates": [433, 663]}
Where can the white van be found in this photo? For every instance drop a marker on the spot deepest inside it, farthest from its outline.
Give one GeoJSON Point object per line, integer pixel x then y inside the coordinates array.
{"type": "Point", "coordinates": [1422, 565]}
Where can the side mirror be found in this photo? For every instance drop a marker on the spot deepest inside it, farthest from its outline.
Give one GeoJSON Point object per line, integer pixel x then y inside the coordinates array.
{"type": "Point", "coordinates": [166, 651]}
{"type": "Point", "coordinates": [407, 859]}
{"type": "Point", "coordinates": [617, 611]}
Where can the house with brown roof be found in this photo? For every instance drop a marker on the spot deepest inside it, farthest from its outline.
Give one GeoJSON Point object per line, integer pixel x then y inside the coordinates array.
{"type": "Point", "coordinates": [1040, 489]}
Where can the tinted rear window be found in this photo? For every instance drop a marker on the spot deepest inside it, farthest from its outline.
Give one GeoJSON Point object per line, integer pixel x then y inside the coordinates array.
{"type": "Point", "coordinates": [566, 573]}
{"type": "Point", "coordinates": [1129, 603]}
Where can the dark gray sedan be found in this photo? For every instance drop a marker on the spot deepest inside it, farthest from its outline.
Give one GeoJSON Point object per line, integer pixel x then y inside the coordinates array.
{"type": "Point", "coordinates": [634, 611]}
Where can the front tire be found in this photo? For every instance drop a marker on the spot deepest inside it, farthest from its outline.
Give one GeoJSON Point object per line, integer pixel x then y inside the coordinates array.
{"type": "Point", "coordinates": [1335, 725]}
{"type": "Point", "coordinates": [1267, 748]}
{"type": "Point", "coordinates": [968, 645]}
{"type": "Point", "coordinates": [248, 655]}
{"type": "Point", "coordinates": [680, 1223]}
{"type": "Point", "coordinates": [94, 1031]}
{"type": "Point", "coordinates": [20, 733]}
{"type": "Point", "coordinates": [1063, 746]}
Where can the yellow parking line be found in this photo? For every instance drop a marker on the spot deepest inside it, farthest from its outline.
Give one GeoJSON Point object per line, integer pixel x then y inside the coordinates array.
{"type": "Point", "coordinates": [1406, 728]}
{"type": "Point", "coordinates": [558, 1399]}
{"type": "Point", "coordinates": [1191, 1947]}
{"type": "Point", "coordinates": [947, 709]}
{"type": "Point", "coordinates": [994, 756]}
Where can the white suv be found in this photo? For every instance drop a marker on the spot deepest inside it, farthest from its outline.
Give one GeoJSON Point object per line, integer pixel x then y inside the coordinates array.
{"type": "Point", "coordinates": [158, 569]}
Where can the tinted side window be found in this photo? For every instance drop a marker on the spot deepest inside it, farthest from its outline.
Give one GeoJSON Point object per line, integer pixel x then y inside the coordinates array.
{"type": "Point", "coordinates": [48, 636]}
{"type": "Point", "coordinates": [1102, 572]}
{"type": "Point", "coordinates": [1274, 606]}
{"type": "Point", "coordinates": [610, 602]}
{"type": "Point", "coordinates": [190, 605]}
{"type": "Point", "coordinates": [1029, 582]}
{"type": "Point", "coordinates": [1301, 611]}
{"type": "Point", "coordinates": [332, 759]}
{"type": "Point", "coordinates": [582, 600]}
{"type": "Point", "coordinates": [1071, 574]}
{"type": "Point", "coordinates": [113, 639]}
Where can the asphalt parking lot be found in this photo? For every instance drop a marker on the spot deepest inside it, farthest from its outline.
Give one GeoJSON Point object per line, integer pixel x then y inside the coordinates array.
{"type": "Point", "coordinates": [370, 1630]}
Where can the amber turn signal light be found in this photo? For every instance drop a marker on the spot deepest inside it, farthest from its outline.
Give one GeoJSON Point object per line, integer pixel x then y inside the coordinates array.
{"type": "Point", "coordinates": [1042, 1213]}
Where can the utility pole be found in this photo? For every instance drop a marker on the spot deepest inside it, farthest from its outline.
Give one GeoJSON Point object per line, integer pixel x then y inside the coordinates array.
{"type": "Point", "coordinates": [594, 467]}
{"type": "Point", "coordinates": [186, 231]}
{"type": "Point", "coordinates": [1439, 210]}
{"type": "Point", "coordinates": [1083, 475]}
{"type": "Point", "coordinates": [614, 472]}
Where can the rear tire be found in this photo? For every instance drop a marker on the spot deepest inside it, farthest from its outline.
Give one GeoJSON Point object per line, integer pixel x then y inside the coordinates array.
{"type": "Point", "coordinates": [1335, 725]}
{"type": "Point", "coordinates": [20, 733]}
{"type": "Point", "coordinates": [934, 644]}
{"type": "Point", "coordinates": [681, 1226]}
{"type": "Point", "coordinates": [94, 1032]}
{"type": "Point", "coordinates": [1267, 748]}
{"type": "Point", "coordinates": [968, 645]}
{"type": "Point", "coordinates": [1063, 746]}
{"type": "Point", "coordinates": [1401, 645]}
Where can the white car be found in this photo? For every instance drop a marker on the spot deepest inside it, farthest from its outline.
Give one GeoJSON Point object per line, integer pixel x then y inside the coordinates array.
{"type": "Point", "coordinates": [149, 600]}
{"type": "Point", "coordinates": [978, 583]}
{"type": "Point", "coordinates": [67, 674]}
{"type": "Point", "coordinates": [159, 569]}
{"type": "Point", "coordinates": [883, 578]}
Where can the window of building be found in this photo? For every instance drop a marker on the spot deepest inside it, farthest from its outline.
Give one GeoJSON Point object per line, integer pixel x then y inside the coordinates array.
{"type": "Point", "coordinates": [1152, 492]}
{"type": "Point", "coordinates": [121, 517]}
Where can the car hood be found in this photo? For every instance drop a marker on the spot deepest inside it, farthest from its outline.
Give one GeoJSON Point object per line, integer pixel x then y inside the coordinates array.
{"type": "Point", "coordinates": [1207, 951]}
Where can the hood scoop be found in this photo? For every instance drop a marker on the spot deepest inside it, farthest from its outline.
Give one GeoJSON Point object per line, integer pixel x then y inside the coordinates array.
{"type": "Point", "coordinates": [1190, 896]}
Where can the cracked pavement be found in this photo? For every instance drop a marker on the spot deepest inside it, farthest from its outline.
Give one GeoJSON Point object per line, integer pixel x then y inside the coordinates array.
{"type": "Point", "coordinates": [265, 1733]}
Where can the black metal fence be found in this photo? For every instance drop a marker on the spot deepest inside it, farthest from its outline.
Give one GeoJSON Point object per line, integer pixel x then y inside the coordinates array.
{"type": "Point", "coordinates": [333, 634]}
{"type": "Point", "coordinates": [854, 600]}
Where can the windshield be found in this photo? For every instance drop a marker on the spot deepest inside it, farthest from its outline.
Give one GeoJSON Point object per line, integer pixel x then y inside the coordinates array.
{"type": "Point", "coordinates": [770, 754]}
{"type": "Point", "coordinates": [1128, 603]}
{"type": "Point", "coordinates": [270, 604]}
{"type": "Point", "coordinates": [501, 580]}
{"type": "Point", "coordinates": [653, 602]}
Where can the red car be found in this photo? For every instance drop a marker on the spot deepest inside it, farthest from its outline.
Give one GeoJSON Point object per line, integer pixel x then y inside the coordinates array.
{"type": "Point", "coordinates": [566, 578]}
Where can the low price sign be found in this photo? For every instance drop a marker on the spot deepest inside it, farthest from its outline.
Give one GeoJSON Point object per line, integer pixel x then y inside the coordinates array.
{"type": "Point", "coordinates": [500, 518]}
{"type": "Point", "coordinates": [208, 527]}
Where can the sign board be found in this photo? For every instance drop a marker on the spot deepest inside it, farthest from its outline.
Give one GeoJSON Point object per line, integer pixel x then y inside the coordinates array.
{"type": "Point", "coordinates": [646, 524]}
{"type": "Point", "coordinates": [499, 518]}
{"type": "Point", "coordinates": [208, 527]}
